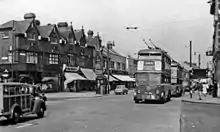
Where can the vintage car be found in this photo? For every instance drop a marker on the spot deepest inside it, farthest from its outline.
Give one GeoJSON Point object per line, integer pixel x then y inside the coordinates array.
{"type": "Point", "coordinates": [17, 99]}
{"type": "Point", "coordinates": [121, 89]}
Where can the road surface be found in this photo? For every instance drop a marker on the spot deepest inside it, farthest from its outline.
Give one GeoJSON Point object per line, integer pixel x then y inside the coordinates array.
{"type": "Point", "coordinates": [113, 113]}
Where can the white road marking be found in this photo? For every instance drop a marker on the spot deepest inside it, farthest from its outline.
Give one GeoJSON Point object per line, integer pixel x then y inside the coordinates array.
{"type": "Point", "coordinates": [24, 125]}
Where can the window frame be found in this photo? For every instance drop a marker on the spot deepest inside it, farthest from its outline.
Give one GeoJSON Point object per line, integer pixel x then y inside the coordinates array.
{"type": "Point", "coordinates": [53, 59]}
{"type": "Point", "coordinates": [31, 57]}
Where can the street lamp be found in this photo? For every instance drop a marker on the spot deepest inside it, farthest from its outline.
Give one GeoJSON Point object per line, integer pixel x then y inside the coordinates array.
{"type": "Point", "coordinates": [190, 53]}
{"type": "Point", "coordinates": [110, 45]}
{"type": "Point", "coordinates": [199, 58]}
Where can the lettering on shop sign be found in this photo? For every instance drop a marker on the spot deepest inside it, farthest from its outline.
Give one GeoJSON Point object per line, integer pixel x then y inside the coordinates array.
{"type": "Point", "coordinates": [68, 68]}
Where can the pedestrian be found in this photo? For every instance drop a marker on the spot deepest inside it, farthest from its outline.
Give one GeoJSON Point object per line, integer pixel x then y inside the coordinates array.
{"type": "Point", "coordinates": [199, 89]}
{"type": "Point", "coordinates": [191, 88]}
{"type": "Point", "coordinates": [204, 89]}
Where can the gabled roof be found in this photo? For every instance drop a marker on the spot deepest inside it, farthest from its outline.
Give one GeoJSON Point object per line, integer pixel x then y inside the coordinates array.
{"type": "Point", "coordinates": [79, 34]}
{"type": "Point", "coordinates": [19, 26]}
{"type": "Point", "coordinates": [65, 32]}
{"type": "Point", "coordinates": [111, 51]}
{"type": "Point", "coordinates": [93, 41]}
{"type": "Point", "coordinates": [45, 30]}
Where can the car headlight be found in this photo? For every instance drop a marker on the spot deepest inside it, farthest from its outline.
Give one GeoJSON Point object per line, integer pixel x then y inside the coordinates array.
{"type": "Point", "coordinates": [139, 91]}
{"type": "Point", "coordinates": [157, 91]}
{"type": "Point", "coordinates": [162, 94]}
{"type": "Point", "coordinates": [134, 93]}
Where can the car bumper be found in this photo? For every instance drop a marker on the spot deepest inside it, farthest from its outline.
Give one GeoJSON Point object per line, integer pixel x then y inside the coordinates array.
{"type": "Point", "coordinates": [147, 97]}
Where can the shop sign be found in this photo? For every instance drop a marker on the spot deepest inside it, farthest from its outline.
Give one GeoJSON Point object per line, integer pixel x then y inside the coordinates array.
{"type": "Point", "coordinates": [71, 69]}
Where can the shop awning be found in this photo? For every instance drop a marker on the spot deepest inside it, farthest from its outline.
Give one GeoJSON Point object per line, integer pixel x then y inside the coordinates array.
{"type": "Point", "coordinates": [89, 74]}
{"type": "Point", "coordinates": [111, 79]}
{"type": "Point", "coordinates": [46, 79]}
{"type": "Point", "coordinates": [74, 76]}
{"type": "Point", "coordinates": [124, 78]}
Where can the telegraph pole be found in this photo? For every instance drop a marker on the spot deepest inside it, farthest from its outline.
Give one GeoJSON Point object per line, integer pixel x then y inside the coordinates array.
{"type": "Point", "coordinates": [190, 54]}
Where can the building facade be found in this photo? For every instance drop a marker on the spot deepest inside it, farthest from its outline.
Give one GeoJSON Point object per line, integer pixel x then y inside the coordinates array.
{"type": "Point", "coordinates": [53, 53]}
{"type": "Point", "coordinates": [117, 66]}
{"type": "Point", "coordinates": [214, 10]}
{"type": "Point", "coordinates": [131, 65]}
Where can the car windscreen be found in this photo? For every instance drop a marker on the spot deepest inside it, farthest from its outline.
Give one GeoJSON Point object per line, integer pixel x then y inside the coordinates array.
{"type": "Point", "coordinates": [148, 78]}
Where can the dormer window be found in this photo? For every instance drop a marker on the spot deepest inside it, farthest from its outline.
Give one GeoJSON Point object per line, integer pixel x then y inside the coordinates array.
{"type": "Point", "coordinates": [53, 39]}
{"type": "Point", "coordinates": [71, 40]}
{"type": "Point", "coordinates": [31, 36]}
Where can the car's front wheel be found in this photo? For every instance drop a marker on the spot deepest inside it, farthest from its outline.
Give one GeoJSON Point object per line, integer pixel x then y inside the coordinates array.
{"type": "Point", "coordinates": [136, 101]}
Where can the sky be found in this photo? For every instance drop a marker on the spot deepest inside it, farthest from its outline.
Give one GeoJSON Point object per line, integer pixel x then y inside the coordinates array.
{"type": "Point", "coordinates": [170, 24]}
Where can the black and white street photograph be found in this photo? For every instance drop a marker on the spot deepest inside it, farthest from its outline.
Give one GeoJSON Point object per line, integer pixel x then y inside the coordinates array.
{"type": "Point", "coordinates": [110, 66]}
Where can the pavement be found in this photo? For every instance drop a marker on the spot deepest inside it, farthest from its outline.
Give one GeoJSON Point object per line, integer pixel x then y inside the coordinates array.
{"type": "Point", "coordinates": [112, 113]}
{"type": "Point", "coordinates": [70, 95]}
{"type": "Point", "coordinates": [200, 115]}
{"type": "Point", "coordinates": [205, 99]}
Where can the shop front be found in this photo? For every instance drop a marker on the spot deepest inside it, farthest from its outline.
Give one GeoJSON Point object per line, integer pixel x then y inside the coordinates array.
{"type": "Point", "coordinates": [124, 80]}
{"type": "Point", "coordinates": [113, 81]}
{"type": "Point", "coordinates": [90, 82]}
{"type": "Point", "coordinates": [73, 80]}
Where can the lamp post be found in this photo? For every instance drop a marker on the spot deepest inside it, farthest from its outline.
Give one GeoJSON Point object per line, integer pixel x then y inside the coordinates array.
{"type": "Point", "coordinates": [199, 58]}
{"type": "Point", "coordinates": [190, 53]}
{"type": "Point", "coordinates": [110, 45]}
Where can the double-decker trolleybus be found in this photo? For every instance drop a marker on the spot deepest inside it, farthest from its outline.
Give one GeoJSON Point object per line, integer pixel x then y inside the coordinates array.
{"type": "Point", "coordinates": [176, 79]}
{"type": "Point", "coordinates": [153, 76]}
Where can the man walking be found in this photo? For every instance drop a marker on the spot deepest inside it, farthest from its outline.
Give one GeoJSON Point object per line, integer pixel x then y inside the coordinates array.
{"type": "Point", "coordinates": [199, 88]}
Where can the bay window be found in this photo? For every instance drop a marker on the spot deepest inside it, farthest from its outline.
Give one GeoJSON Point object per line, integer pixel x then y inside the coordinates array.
{"type": "Point", "coordinates": [31, 57]}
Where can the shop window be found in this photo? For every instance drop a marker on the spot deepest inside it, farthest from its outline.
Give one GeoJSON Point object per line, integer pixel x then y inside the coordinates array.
{"type": "Point", "coordinates": [112, 64]}
{"type": "Point", "coordinates": [53, 59]}
{"type": "Point", "coordinates": [118, 66]}
{"type": "Point", "coordinates": [31, 57]}
{"type": "Point", "coordinates": [123, 66]}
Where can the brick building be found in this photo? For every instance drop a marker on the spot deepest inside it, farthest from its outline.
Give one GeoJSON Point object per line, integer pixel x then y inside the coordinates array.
{"type": "Point", "coordinates": [117, 66]}
{"type": "Point", "coordinates": [54, 54]}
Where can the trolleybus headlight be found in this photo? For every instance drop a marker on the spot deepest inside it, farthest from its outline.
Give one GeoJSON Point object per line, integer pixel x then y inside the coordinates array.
{"type": "Point", "coordinates": [157, 91]}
